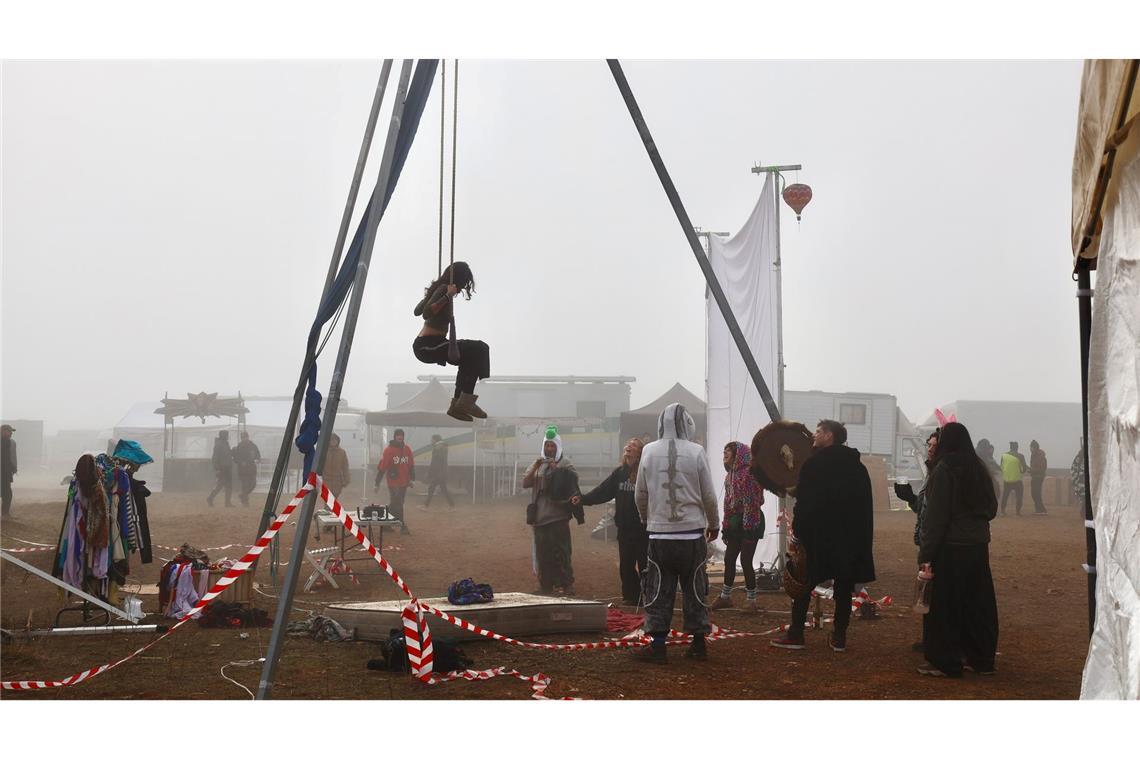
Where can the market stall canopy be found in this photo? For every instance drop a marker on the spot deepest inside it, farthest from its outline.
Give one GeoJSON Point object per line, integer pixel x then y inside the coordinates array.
{"type": "Point", "coordinates": [1106, 124]}
{"type": "Point", "coordinates": [428, 408]}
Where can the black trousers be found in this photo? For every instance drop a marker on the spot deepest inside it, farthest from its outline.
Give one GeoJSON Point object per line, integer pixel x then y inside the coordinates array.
{"type": "Point", "coordinates": [842, 589]}
{"type": "Point", "coordinates": [633, 552]}
{"type": "Point", "coordinates": [225, 482]}
{"type": "Point", "coordinates": [6, 489]}
{"type": "Point", "coordinates": [745, 549]}
{"type": "Point", "coordinates": [1035, 485]}
{"type": "Point", "coordinates": [1017, 488]}
{"type": "Point", "coordinates": [442, 486]}
{"type": "Point", "coordinates": [963, 619]}
{"type": "Point", "coordinates": [474, 359]}
{"type": "Point", "coordinates": [553, 554]}
{"type": "Point", "coordinates": [396, 496]}
{"type": "Point", "coordinates": [673, 563]}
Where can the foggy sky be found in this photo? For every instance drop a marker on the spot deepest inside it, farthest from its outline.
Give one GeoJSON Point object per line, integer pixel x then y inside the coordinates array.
{"type": "Point", "coordinates": [167, 225]}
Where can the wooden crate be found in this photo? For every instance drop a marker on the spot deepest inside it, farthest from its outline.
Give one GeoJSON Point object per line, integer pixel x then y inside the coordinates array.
{"type": "Point", "coordinates": [238, 592]}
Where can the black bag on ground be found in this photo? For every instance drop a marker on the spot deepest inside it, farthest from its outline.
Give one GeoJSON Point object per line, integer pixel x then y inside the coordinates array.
{"type": "Point", "coordinates": [394, 656]}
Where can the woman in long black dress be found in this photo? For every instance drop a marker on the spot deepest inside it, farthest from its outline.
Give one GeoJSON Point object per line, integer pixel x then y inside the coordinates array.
{"type": "Point", "coordinates": [962, 626]}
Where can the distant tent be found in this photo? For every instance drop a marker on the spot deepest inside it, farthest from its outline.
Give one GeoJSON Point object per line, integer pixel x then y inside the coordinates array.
{"type": "Point", "coordinates": [427, 409]}
{"type": "Point", "coordinates": [642, 422]}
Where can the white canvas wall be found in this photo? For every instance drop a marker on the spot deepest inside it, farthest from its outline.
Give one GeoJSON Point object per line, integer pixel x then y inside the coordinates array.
{"type": "Point", "coordinates": [1112, 670]}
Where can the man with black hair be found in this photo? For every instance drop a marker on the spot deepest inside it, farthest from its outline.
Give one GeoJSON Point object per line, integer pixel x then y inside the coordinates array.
{"type": "Point", "coordinates": [246, 456]}
{"type": "Point", "coordinates": [398, 467]}
{"type": "Point", "coordinates": [833, 521]}
{"type": "Point", "coordinates": [1013, 469]}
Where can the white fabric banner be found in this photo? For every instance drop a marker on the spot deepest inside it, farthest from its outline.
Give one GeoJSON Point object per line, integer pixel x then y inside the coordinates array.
{"type": "Point", "coordinates": [745, 267]}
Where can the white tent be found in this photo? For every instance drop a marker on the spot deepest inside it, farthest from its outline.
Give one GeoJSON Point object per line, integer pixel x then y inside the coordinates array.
{"type": "Point", "coordinates": [1106, 238]}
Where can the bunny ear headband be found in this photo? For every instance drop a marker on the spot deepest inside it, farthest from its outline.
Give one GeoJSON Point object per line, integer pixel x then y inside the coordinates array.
{"type": "Point", "coordinates": [943, 419]}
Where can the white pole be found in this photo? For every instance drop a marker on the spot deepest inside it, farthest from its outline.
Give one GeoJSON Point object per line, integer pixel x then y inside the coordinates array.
{"type": "Point", "coordinates": [474, 455]}
{"type": "Point", "coordinates": [779, 267]}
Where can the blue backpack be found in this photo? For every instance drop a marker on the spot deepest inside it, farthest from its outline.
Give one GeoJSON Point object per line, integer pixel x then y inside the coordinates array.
{"type": "Point", "coordinates": [468, 591]}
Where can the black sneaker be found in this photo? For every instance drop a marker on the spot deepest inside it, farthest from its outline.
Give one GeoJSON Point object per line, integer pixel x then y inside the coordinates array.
{"type": "Point", "coordinates": [653, 654]}
{"type": "Point", "coordinates": [698, 650]}
{"type": "Point", "coordinates": [980, 671]}
{"type": "Point", "coordinates": [837, 643]}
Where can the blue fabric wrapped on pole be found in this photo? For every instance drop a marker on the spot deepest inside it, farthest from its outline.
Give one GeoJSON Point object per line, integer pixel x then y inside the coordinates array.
{"type": "Point", "coordinates": [414, 104]}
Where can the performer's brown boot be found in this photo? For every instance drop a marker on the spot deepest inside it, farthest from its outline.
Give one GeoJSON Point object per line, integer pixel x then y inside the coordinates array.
{"type": "Point", "coordinates": [457, 410]}
{"type": "Point", "coordinates": [467, 403]}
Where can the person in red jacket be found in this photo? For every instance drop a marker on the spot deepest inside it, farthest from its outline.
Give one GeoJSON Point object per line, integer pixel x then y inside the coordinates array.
{"type": "Point", "coordinates": [399, 467]}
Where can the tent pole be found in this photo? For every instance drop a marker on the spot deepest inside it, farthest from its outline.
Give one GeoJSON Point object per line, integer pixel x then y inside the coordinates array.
{"type": "Point", "coordinates": [694, 242]}
{"type": "Point", "coordinates": [279, 470]}
{"type": "Point", "coordinates": [328, 424]}
{"type": "Point", "coordinates": [1084, 309]}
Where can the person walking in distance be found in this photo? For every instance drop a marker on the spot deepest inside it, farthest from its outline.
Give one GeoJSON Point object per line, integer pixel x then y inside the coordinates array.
{"type": "Point", "coordinates": [246, 457]}
{"type": "Point", "coordinates": [632, 540]}
{"type": "Point", "coordinates": [1038, 467]}
{"type": "Point", "coordinates": [1013, 469]}
{"type": "Point", "coordinates": [7, 466]}
{"type": "Point", "coordinates": [437, 471]}
{"type": "Point", "coordinates": [743, 524]}
{"type": "Point", "coordinates": [398, 467]}
{"type": "Point", "coordinates": [833, 521]}
{"type": "Point", "coordinates": [676, 499]}
{"type": "Point", "coordinates": [338, 474]}
{"type": "Point", "coordinates": [223, 462]}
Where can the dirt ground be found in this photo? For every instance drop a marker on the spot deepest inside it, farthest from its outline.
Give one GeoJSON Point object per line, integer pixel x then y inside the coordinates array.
{"type": "Point", "coordinates": [1036, 564]}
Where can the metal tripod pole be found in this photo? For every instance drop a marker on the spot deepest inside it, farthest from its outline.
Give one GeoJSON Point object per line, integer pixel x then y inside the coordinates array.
{"type": "Point", "coordinates": [694, 241]}
{"type": "Point", "coordinates": [285, 599]}
{"type": "Point", "coordinates": [274, 495]}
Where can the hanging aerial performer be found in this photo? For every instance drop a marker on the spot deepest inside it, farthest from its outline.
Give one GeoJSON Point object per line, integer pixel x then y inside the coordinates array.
{"type": "Point", "coordinates": [436, 343]}
{"type": "Point", "coordinates": [434, 346]}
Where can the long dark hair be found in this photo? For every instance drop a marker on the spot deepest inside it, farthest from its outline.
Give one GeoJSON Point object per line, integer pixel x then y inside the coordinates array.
{"type": "Point", "coordinates": [464, 279]}
{"type": "Point", "coordinates": [955, 446]}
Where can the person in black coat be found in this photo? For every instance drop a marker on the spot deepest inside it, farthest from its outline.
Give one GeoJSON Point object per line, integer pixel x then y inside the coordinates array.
{"type": "Point", "coordinates": [960, 503]}
{"type": "Point", "coordinates": [632, 538]}
{"type": "Point", "coordinates": [834, 522]}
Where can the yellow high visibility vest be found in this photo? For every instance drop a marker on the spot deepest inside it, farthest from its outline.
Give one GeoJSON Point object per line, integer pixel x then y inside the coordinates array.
{"type": "Point", "coordinates": [1010, 468]}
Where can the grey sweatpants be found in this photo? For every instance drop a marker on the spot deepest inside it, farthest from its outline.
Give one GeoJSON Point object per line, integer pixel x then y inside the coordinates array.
{"type": "Point", "coordinates": [672, 562]}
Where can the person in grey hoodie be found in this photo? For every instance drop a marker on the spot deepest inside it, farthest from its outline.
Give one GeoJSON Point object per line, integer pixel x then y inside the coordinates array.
{"type": "Point", "coordinates": [677, 502]}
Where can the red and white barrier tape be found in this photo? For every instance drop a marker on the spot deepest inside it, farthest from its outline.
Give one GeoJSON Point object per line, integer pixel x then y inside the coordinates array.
{"type": "Point", "coordinates": [418, 644]}
{"type": "Point", "coordinates": [857, 600]}
{"type": "Point", "coordinates": [227, 578]}
{"type": "Point", "coordinates": [417, 634]}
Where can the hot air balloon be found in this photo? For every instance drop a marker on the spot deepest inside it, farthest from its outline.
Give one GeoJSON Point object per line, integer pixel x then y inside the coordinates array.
{"type": "Point", "coordinates": [797, 196]}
